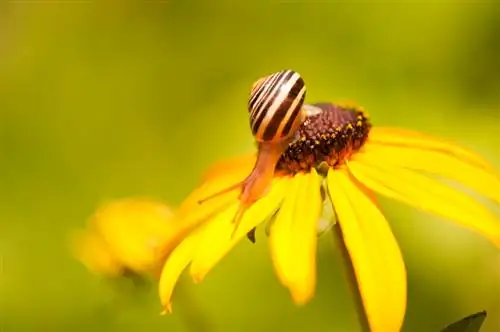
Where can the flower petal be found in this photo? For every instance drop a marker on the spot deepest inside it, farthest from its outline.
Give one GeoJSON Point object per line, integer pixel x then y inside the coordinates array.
{"type": "Point", "coordinates": [173, 267]}
{"type": "Point", "coordinates": [241, 165]}
{"type": "Point", "coordinates": [374, 253]}
{"type": "Point", "coordinates": [409, 138]}
{"type": "Point", "coordinates": [293, 236]}
{"type": "Point", "coordinates": [137, 231]}
{"type": "Point", "coordinates": [434, 162]}
{"type": "Point", "coordinates": [92, 251]}
{"type": "Point", "coordinates": [217, 239]}
{"type": "Point", "coordinates": [427, 194]}
{"type": "Point", "coordinates": [280, 233]}
{"type": "Point", "coordinates": [208, 189]}
{"type": "Point", "coordinates": [194, 211]}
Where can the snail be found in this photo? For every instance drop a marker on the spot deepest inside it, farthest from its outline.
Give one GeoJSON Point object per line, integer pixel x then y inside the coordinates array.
{"type": "Point", "coordinates": [276, 109]}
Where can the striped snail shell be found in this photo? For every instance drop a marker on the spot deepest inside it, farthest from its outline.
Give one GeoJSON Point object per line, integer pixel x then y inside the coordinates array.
{"type": "Point", "coordinates": [275, 106]}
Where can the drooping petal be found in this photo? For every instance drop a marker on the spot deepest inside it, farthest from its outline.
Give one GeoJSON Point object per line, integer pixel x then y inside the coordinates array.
{"type": "Point", "coordinates": [435, 162]}
{"type": "Point", "coordinates": [205, 194]}
{"type": "Point", "coordinates": [218, 238]}
{"type": "Point", "coordinates": [409, 138]}
{"type": "Point", "coordinates": [195, 210]}
{"type": "Point", "coordinates": [280, 233]}
{"type": "Point", "coordinates": [427, 194]}
{"type": "Point", "coordinates": [194, 215]}
{"type": "Point", "coordinates": [177, 261]}
{"type": "Point", "coordinates": [374, 253]}
{"type": "Point", "coordinates": [241, 165]}
{"type": "Point", "coordinates": [293, 236]}
{"type": "Point", "coordinates": [92, 251]}
{"type": "Point", "coordinates": [136, 230]}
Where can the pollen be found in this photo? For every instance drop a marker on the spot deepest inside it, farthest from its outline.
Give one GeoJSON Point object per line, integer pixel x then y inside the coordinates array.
{"type": "Point", "coordinates": [330, 137]}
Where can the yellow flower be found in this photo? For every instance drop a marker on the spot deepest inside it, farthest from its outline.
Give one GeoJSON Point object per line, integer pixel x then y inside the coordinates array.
{"type": "Point", "coordinates": [133, 234]}
{"type": "Point", "coordinates": [337, 153]}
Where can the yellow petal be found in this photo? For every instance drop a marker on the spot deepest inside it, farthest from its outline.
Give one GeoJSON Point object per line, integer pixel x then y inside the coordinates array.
{"type": "Point", "coordinates": [374, 253]}
{"type": "Point", "coordinates": [293, 236]}
{"type": "Point", "coordinates": [193, 212]}
{"type": "Point", "coordinates": [177, 261]}
{"type": "Point", "coordinates": [136, 230]}
{"type": "Point", "coordinates": [240, 166]}
{"type": "Point", "coordinates": [195, 209]}
{"type": "Point", "coordinates": [437, 163]}
{"type": "Point", "coordinates": [217, 238]}
{"type": "Point", "coordinates": [427, 194]}
{"type": "Point", "coordinates": [409, 138]}
{"type": "Point", "coordinates": [280, 233]}
{"type": "Point", "coordinates": [92, 251]}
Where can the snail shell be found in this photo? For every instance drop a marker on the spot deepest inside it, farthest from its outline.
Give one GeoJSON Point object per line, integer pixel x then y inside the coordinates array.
{"type": "Point", "coordinates": [275, 106]}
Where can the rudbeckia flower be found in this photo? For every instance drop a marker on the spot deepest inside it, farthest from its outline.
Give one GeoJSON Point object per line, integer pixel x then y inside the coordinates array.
{"type": "Point", "coordinates": [126, 235]}
{"type": "Point", "coordinates": [338, 156]}
{"type": "Point", "coordinates": [131, 238]}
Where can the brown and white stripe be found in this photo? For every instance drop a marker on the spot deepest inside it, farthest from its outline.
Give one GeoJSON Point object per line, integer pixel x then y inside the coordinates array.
{"type": "Point", "coordinates": [275, 106]}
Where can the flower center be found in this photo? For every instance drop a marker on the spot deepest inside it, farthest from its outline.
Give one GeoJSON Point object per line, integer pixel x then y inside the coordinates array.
{"type": "Point", "coordinates": [330, 137]}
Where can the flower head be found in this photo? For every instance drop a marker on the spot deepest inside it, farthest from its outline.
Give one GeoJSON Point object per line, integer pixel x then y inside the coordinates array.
{"type": "Point", "coordinates": [338, 156]}
{"type": "Point", "coordinates": [125, 235]}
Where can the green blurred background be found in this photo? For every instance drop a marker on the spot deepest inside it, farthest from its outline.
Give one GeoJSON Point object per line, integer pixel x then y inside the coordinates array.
{"type": "Point", "coordinates": [108, 99]}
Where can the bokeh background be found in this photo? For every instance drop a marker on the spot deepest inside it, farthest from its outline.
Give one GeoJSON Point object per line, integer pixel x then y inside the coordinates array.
{"type": "Point", "coordinates": [108, 99]}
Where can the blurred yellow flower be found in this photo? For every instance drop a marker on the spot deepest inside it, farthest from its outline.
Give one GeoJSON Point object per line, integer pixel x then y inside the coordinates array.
{"type": "Point", "coordinates": [133, 234]}
{"type": "Point", "coordinates": [340, 154]}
